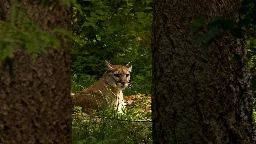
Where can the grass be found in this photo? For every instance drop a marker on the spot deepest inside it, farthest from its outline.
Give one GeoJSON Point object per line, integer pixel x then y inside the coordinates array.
{"type": "Point", "coordinates": [132, 127]}
{"type": "Point", "coordinates": [110, 130]}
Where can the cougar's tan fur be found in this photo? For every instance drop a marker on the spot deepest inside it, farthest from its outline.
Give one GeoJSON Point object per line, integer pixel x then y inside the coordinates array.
{"type": "Point", "coordinates": [108, 92]}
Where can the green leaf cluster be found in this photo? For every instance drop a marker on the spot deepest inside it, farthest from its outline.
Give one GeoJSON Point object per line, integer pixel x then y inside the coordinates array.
{"type": "Point", "coordinates": [132, 127]}
{"type": "Point", "coordinates": [114, 30]}
{"type": "Point", "coordinates": [19, 31]}
{"type": "Point", "coordinates": [247, 20]}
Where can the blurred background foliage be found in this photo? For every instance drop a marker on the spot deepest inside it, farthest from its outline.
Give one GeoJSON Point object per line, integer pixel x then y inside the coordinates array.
{"type": "Point", "coordinates": [114, 30]}
{"type": "Point", "coordinates": [18, 30]}
{"type": "Point", "coordinates": [120, 31]}
{"type": "Point", "coordinates": [249, 8]}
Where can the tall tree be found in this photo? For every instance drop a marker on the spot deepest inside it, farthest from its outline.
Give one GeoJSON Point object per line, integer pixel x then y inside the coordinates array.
{"type": "Point", "coordinates": [35, 93]}
{"type": "Point", "coordinates": [199, 95]}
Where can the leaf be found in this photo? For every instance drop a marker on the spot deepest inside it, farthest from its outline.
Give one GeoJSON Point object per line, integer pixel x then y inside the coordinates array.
{"type": "Point", "coordinates": [141, 15]}
{"type": "Point", "coordinates": [93, 14]}
{"type": "Point", "coordinates": [198, 23]}
{"type": "Point", "coordinates": [212, 32]}
{"type": "Point", "coordinates": [208, 36]}
{"type": "Point", "coordinates": [207, 44]}
{"type": "Point", "coordinates": [198, 39]}
{"type": "Point", "coordinates": [100, 12]}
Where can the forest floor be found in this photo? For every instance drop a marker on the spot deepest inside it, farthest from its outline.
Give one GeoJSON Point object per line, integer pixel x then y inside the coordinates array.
{"type": "Point", "coordinates": [132, 127]}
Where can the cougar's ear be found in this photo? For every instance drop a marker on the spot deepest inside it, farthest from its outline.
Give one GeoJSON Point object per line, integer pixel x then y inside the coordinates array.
{"type": "Point", "coordinates": [109, 66]}
{"type": "Point", "coordinates": [129, 66]}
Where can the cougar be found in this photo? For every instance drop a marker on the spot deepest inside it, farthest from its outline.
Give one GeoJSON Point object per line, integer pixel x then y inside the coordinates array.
{"type": "Point", "coordinates": [108, 92]}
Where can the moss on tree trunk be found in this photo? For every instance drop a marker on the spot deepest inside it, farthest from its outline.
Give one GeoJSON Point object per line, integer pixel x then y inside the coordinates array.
{"type": "Point", "coordinates": [35, 104]}
{"type": "Point", "coordinates": [199, 95]}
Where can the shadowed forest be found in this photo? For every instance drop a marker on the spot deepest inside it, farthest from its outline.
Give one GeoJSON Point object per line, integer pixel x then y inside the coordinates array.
{"type": "Point", "coordinates": [193, 77]}
{"type": "Point", "coordinates": [120, 32]}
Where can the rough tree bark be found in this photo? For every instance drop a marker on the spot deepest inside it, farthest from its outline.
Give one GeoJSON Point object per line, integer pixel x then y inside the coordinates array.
{"type": "Point", "coordinates": [35, 104]}
{"type": "Point", "coordinates": [199, 95]}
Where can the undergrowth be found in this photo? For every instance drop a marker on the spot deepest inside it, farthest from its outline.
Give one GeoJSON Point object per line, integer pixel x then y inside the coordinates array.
{"type": "Point", "coordinates": [132, 127]}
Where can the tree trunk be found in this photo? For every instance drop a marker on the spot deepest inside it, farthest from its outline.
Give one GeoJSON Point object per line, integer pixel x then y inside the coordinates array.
{"type": "Point", "coordinates": [35, 104]}
{"type": "Point", "coordinates": [199, 95]}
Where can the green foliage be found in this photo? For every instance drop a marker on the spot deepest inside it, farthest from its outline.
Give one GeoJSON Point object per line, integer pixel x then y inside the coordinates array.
{"type": "Point", "coordinates": [247, 19]}
{"type": "Point", "coordinates": [19, 31]}
{"type": "Point", "coordinates": [140, 109]}
{"type": "Point", "coordinates": [84, 81]}
{"type": "Point", "coordinates": [113, 128]}
{"type": "Point", "coordinates": [110, 131]}
{"type": "Point", "coordinates": [118, 31]}
{"type": "Point", "coordinates": [249, 10]}
{"type": "Point", "coordinates": [254, 115]}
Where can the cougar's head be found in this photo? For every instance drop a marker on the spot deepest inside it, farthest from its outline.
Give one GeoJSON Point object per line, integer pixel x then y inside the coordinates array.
{"type": "Point", "coordinates": [118, 76]}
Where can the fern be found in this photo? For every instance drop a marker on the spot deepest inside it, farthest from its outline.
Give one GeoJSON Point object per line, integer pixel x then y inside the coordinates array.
{"type": "Point", "coordinates": [21, 31]}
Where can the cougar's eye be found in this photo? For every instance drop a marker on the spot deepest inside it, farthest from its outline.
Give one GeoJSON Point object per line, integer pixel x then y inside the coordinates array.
{"type": "Point", "coordinates": [117, 75]}
{"type": "Point", "coordinates": [127, 75]}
